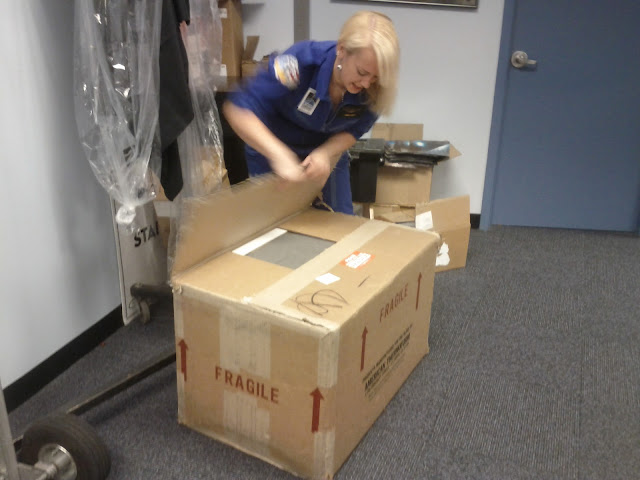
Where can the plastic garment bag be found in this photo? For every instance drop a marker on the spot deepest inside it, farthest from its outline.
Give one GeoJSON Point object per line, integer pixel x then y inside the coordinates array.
{"type": "Point", "coordinates": [116, 48]}
{"type": "Point", "coordinates": [201, 142]}
{"type": "Point", "coordinates": [201, 147]}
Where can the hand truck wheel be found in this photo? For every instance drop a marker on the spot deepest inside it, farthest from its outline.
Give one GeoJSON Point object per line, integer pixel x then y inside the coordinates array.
{"type": "Point", "coordinates": [66, 447]}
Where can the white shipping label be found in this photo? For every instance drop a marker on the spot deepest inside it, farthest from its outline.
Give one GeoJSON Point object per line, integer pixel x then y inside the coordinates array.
{"type": "Point", "coordinates": [259, 242]}
{"type": "Point", "coordinates": [327, 278]}
{"type": "Point", "coordinates": [223, 13]}
{"type": "Point", "coordinates": [357, 260]}
{"type": "Point", "coordinates": [424, 221]}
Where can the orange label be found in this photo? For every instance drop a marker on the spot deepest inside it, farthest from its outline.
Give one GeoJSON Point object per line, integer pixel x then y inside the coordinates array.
{"type": "Point", "coordinates": [357, 260]}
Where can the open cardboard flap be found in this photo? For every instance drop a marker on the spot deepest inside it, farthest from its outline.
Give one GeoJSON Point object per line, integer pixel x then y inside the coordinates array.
{"type": "Point", "coordinates": [450, 218]}
{"type": "Point", "coordinates": [219, 222]}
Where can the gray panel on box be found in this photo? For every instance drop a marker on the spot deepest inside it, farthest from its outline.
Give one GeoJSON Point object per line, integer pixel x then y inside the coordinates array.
{"type": "Point", "coordinates": [291, 249]}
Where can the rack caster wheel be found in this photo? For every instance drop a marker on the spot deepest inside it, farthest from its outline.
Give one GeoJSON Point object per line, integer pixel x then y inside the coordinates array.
{"type": "Point", "coordinates": [148, 295]}
{"type": "Point", "coordinates": [145, 311]}
{"type": "Point", "coordinates": [65, 447]}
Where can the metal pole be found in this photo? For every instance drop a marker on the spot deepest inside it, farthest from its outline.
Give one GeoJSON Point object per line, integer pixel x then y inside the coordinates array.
{"type": "Point", "coordinates": [78, 407]}
{"type": "Point", "coordinates": [155, 364]}
{"type": "Point", "coordinates": [8, 461]}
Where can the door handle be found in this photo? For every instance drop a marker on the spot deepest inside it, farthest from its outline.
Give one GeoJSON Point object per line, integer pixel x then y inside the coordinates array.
{"type": "Point", "coordinates": [520, 59]}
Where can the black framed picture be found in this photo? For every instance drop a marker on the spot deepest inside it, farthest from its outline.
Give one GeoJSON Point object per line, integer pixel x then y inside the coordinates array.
{"type": "Point", "coordinates": [442, 3]}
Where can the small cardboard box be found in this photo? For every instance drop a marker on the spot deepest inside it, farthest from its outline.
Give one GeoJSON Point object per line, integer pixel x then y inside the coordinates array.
{"type": "Point", "coordinates": [403, 185]}
{"type": "Point", "coordinates": [293, 361]}
{"type": "Point", "coordinates": [397, 131]}
{"type": "Point", "coordinates": [232, 37]}
{"type": "Point", "coordinates": [450, 218]}
{"type": "Point", "coordinates": [390, 213]}
{"type": "Point", "coordinates": [164, 212]}
{"type": "Point", "coordinates": [249, 65]}
{"type": "Point", "coordinates": [396, 185]}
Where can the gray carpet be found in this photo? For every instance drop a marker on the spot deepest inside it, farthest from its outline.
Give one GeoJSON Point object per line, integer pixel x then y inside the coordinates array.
{"type": "Point", "coordinates": [534, 373]}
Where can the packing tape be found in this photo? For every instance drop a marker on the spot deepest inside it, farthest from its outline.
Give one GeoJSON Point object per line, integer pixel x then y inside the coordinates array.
{"type": "Point", "coordinates": [243, 416]}
{"type": "Point", "coordinates": [328, 353]}
{"type": "Point", "coordinates": [323, 452]}
{"type": "Point", "coordinates": [275, 295]}
{"type": "Point", "coordinates": [245, 341]}
{"type": "Point", "coordinates": [178, 321]}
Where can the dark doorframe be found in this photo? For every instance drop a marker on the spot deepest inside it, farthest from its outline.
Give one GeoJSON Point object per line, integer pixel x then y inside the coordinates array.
{"type": "Point", "coordinates": [499, 99]}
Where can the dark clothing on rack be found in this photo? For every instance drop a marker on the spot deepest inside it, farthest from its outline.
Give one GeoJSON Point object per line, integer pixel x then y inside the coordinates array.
{"type": "Point", "coordinates": [176, 110]}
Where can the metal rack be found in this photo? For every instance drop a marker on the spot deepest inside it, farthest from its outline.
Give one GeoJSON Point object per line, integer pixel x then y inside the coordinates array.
{"type": "Point", "coordinates": [62, 446]}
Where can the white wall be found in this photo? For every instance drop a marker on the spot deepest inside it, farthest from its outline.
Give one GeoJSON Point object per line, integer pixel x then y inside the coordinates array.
{"type": "Point", "coordinates": [447, 77]}
{"type": "Point", "coordinates": [272, 20]}
{"type": "Point", "coordinates": [59, 274]}
{"type": "Point", "coordinates": [448, 69]}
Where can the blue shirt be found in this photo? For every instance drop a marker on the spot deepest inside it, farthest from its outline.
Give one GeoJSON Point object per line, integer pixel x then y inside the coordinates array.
{"type": "Point", "coordinates": [304, 126]}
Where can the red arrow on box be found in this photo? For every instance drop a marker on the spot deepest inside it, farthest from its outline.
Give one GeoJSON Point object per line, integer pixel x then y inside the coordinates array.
{"type": "Point", "coordinates": [364, 344]}
{"type": "Point", "coordinates": [183, 358]}
{"type": "Point", "coordinates": [315, 419]}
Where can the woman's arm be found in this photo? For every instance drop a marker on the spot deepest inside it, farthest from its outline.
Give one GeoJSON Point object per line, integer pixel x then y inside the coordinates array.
{"type": "Point", "coordinates": [283, 161]}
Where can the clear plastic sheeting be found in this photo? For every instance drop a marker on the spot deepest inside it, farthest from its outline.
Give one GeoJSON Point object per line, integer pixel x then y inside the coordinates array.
{"type": "Point", "coordinates": [116, 76]}
{"type": "Point", "coordinates": [201, 143]}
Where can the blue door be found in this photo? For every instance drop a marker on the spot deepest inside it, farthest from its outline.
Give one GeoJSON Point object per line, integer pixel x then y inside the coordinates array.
{"type": "Point", "coordinates": [565, 137]}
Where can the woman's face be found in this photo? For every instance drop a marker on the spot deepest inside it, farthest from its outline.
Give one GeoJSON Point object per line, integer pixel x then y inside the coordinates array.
{"type": "Point", "coordinates": [359, 69]}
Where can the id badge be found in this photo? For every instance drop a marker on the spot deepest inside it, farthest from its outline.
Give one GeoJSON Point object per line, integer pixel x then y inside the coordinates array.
{"type": "Point", "coordinates": [309, 102]}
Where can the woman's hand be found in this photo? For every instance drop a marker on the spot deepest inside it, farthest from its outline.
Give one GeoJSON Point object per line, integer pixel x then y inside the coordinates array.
{"type": "Point", "coordinates": [287, 166]}
{"type": "Point", "coordinates": [317, 166]}
{"type": "Point", "coordinates": [282, 160]}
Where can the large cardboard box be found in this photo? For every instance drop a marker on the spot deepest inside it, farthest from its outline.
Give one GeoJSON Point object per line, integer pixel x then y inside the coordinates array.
{"type": "Point", "coordinates": [232, 37]}
{"type": "Point", "coordinates": [292, 359]}
{"type": "Point", "coordinates": [450, 218]}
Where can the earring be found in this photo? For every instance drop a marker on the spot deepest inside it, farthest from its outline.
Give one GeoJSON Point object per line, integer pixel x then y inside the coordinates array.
{"type": "Point", "coordinates": [339, 66]}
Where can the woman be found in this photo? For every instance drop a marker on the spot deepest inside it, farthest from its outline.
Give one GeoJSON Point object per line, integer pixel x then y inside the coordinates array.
{"type": "Point", "coordinates": [299, 116]}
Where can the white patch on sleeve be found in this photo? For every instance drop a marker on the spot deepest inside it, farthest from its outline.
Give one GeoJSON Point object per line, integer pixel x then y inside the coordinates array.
{"type": "Point", "coordinates": [286, 70]}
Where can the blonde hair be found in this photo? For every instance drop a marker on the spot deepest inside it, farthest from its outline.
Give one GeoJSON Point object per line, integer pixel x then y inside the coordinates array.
{"type": "Point", "coordinates": [372, 29]}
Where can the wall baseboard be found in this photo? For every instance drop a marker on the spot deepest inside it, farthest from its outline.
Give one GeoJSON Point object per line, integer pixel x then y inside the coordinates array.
{"type": "Point", "coordinates": [475, 220]}
{"type": "Point", "coordinates": [33, 381]}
